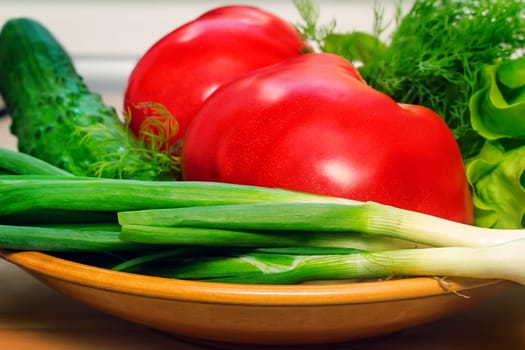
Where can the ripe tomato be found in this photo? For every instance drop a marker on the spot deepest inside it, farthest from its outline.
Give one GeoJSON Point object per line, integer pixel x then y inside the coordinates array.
{"type": "Point", "coordinates": [184, 67]}
{"type": "Point", "coordinates": [311, 124]}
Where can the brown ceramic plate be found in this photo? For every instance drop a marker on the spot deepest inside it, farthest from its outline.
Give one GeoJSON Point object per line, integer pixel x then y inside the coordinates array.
{"type": "Point", "coordinates": [259, 314]}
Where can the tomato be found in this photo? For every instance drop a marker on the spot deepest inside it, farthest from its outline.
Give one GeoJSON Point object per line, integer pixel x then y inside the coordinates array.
{"type": "Point", "coordinates": [185, 66]}
{"type": "Point", "coordinates": [312, 124]}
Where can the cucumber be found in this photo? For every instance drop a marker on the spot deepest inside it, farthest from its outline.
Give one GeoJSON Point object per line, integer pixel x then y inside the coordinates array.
{"type": "Point", "coordinates": [55, 116]}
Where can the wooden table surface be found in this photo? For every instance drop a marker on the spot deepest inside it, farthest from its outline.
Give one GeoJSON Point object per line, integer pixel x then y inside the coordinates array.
{"type": "Point", "coordinates": [34, 317]}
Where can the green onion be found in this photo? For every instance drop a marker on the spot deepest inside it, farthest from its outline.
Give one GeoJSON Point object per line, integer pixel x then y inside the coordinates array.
{"type": "Point", "coordinates": [223, 264]}
{"type": "Point", "coordinates": [249, 265]}
{"type": "Point", "coordinates": [132, 264]}
{"type": "Point", "coordinates": [55, 216]}
{"type": "Point", "coordinates": [299, 250]}
{"type": "Point", "coordinates": [217, 269]}
{"type": "Point", "coordinates": [369, 218]}
{"type": "Point", "coordinates": [503, 261]}
{"type": "Point", "coordinates": [20, 163]}
{"type": "Point", "coordinates": [247, 234]}
{"type": "Point", "coordinates": [70, 238]}
{"type": "Point", "coordinates": [209, 237]}
{"type": "Point", "coordinates": [19, 193]}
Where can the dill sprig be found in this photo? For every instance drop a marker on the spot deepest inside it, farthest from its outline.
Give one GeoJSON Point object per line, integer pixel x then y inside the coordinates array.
{"type": "Point", "coordinates": [121, 155]}
{"type": "Point", "coordinates": [310, 28]}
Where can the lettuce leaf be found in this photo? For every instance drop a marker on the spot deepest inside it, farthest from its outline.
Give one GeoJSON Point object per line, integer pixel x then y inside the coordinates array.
{"type": "Point", "coordinates": [498, 109]}
{"type": "Point", "coordinates": [497, 180]}
{"type": "Point", "coordinates": [497, 174]}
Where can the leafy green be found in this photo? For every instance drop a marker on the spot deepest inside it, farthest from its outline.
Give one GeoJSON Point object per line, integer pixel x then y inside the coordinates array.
{"type": "Point", "coordinates": [497, 179]}
{"type": "Point", "coordinates": [498, 109]}
{"type": "Point", "coordinates": [357, 46]}
{"type": "Point", "coordinates": [497, 173]}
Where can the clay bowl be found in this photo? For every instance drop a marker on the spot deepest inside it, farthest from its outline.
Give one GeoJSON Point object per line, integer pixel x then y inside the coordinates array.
{"type": "Point", "coordinates": [261, 315]}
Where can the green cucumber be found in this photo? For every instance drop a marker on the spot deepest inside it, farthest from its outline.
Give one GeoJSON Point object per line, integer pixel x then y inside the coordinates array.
{"type": "Point", "coordinates": [56, 118]}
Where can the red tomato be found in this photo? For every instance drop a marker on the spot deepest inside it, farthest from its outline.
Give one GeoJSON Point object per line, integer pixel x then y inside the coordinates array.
{"type": "Point", "coordinates": [183, 68]}
{"type": "Point", "coordinates": [311, 124]}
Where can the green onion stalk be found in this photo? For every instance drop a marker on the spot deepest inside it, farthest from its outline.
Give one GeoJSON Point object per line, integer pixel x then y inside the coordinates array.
{"type": "Point", "coordinates": [368, 218]}
{"type": "Point", "coordinates": [445, 248]}
{"type": "Point", "coordinates": [504, 261]}
{"type": "Point", "coordinates": [21, 193]}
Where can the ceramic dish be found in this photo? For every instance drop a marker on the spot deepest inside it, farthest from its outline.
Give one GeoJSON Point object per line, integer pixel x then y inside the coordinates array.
{"type": "Point", "coordinates": [258, 314]}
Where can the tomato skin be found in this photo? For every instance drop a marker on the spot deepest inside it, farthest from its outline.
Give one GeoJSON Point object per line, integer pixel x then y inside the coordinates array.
{"type": "Point", "coordinates": [311, 124]}
{"type": "Point", "coordinates": [185, 66]}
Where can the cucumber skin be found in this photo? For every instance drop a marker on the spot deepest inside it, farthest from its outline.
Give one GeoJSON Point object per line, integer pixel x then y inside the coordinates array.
{"type": "Point", "coordinates": [50, 106]}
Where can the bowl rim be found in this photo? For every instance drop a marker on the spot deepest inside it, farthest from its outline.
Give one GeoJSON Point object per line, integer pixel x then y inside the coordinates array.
{"type": "Point", "coordinates": [44, 265]}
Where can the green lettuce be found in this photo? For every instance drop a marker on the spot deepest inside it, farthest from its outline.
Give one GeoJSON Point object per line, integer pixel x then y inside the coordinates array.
{"type": "Point", "coordinates": [497, 174]}
{"type": "Point", "coordinates": [497, 180]}
{"type": "Point", "coordinates": [498, 109]}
